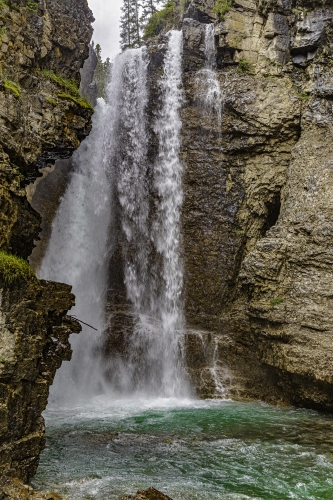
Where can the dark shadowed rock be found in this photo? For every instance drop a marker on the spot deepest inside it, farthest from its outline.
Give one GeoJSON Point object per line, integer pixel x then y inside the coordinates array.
{"type": "Point", "coordinates": [149, 494]}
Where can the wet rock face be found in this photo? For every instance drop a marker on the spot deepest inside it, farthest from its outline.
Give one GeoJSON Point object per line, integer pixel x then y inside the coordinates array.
{"type": "Point", "coordinates": [34, 342]}
{"type": "Point", "coordinates": [257, 209]}
{"type": "Point", "coordinates": [13, 489]}
{"type": "Point", "coordinates": [37, 128]}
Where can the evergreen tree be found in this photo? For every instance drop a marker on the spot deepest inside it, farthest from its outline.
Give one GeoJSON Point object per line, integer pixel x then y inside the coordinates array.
{"type": "Point", "coordinates": [148, 8]}
{"type": "Point", "coordinates": [102, 71]}
{"type": "Point", "coordinates": [130, 24]}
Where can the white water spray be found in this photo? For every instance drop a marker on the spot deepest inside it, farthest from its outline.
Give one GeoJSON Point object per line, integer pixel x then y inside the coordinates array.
{"type": "Point", "coordinates": [210, 95]}
{"type": "Point", "coordinates": [77, 254]}
{"type": "Point", "coordinates": [153, 268]}
{"type": "Point", "coordinates": [111, 177]}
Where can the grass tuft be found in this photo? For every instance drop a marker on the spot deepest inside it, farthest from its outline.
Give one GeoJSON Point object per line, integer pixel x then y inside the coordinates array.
{"type": "Point", "coordinates": [51, 101]}
{"type": "Point", "coordinates": [303, 97]}
{"type": "Point", "coordinates": [13, 267]}
{"type": "Point", "coordinates": [70, 85]}
{"type": "Point", "coordinates": [80, 101]}
{"type": "Point", "coordinates": [245, 66]}
{"type": "Point", "coordinates": [222, 7]}
{"type": "Point", "coordinates": [277, 301]}
{"type": "Point", "coordinates": [32, 6]}
{"type": "Point", "coordinates": [13, 87]}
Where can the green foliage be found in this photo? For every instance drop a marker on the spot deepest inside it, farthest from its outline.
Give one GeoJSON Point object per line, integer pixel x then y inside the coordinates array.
{"type": "Point", "coordinates": [222, 7]}
{"type": "Point", "coordinates": [277, 301]}
{"type": "Point", "coordinates": [13, 268]}
{"type": "Point", "coordinates": [21, 176]}
{"type": "Point", "coordinates": [51, 101]}
{"type": "Point", "coordinates": [80, 101]}
{"type": "Point", "coordinates": [102, 71]}
{"type": "Point", "coordinates": [303, 97]}
{"type": "Point", "coordinates": [245, 66]}
{"type": "Point", "coordinates": [160, 20]}
{"type": "Point", "coordinates": [32, 6]}
{"type": "Point", "coordinates": [71, 85]}
{"type": "Point", "coordinates": [13, 87]}
{"type": "Point", "coordinates": [3, 32]}
{"type": "Point", "coordinates": [299, 11]}
{"type": "Point", "coordinates": [130, 33]}
{"type": "Point", "coordinates": [3, 4]}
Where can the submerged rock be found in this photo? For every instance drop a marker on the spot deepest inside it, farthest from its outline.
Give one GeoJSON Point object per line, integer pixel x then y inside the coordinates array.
{"type": "Point", "coordinates": [149, 494]}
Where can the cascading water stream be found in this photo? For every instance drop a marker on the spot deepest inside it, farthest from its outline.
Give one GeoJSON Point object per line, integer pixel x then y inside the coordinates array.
{"type": "Point", "coordinates": [210, 95]}
{"type": "Point", "coordinates": [107, 203]}
{"type": "Point", "coordinates": [153, 364]}
{"type": "Point", "coordinates": [77, 254]}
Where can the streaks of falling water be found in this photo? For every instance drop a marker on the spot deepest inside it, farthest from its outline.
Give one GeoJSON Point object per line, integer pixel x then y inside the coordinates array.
{"type": "Point", "coordinates": [77, 255]}
{"type": "Point", "coordinates": [153, 364]}
{"type": "Point", "coordinates": [210, 95]}
{"type": "Point", "coordinates": [167, 230]}
{"type": "Point", "coordinates": [112, 165]}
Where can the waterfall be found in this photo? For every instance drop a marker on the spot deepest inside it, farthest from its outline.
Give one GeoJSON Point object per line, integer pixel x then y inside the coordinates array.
{"type": "Point", "coordinates": [210, 95]}
{"type": "Point", "coordinates": [168, 185]}
{"type": "Point", "coordinates": [151, 239]}
{"type": "Point", "coordinates": [108, 205]}
{"type": "Point", "coordinates": [78, 250]}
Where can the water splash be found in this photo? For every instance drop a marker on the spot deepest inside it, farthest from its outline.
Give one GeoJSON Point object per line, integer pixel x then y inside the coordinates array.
{"type": "Point", "coordinates": [77, 254]}
{"type": "Point", "coordinates": [210, 94]}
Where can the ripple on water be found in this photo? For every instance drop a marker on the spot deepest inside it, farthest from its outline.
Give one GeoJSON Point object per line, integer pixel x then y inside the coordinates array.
{"type": "Point", "coordinates": [191, 450]}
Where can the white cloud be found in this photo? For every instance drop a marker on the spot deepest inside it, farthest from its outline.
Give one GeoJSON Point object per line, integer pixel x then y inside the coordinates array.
{"type": "Point", "coordinates": [106, 26]}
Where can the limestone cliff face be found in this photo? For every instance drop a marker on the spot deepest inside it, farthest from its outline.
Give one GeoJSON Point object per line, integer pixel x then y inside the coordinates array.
{"type": "Point", "coordinates": [257, 214]}
{"type": "Point", "coordinates": [43, 46]}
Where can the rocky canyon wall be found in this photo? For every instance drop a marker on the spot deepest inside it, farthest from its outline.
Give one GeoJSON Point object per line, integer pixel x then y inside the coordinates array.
{"type": "Point", "coordinates": [256, 219]}
{"type": "Point", "coordinates": [43, 118]}
{"type": "Point", "coordinates": [257, 214]}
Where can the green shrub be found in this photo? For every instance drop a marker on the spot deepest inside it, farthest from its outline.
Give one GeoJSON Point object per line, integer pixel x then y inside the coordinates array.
{"type": "Point", "coordinates": [3, 4]}
{"type": "Point", "coordinates": [13, 87]}
{"type": "Point", "coordinates": [3, 32]}
{"type": "Point", "coordinates": [160, 20]}
{"type": "Point", "coordinates": [277, 301]}
{"type": "Point", "coordinates": [245, 66]}
{"type": "Point", "coordinates": [80, 101]}
{"type": "Point", "coordinates": [222, 7]}
{"type": "Point", "coordinates": [32, 6]}
{"type": "Point", "coordinates": [13, 267]}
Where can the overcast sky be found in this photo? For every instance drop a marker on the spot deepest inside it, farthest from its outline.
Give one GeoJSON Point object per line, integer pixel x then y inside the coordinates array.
{"type": "Point", "coordinates": [106, 26]}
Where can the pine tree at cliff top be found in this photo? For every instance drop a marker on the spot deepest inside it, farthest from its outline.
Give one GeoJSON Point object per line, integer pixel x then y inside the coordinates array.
{"type": "Point", "coordinates": [148, 8]}
{"type": "Point", "coordinates": [130, 24]}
